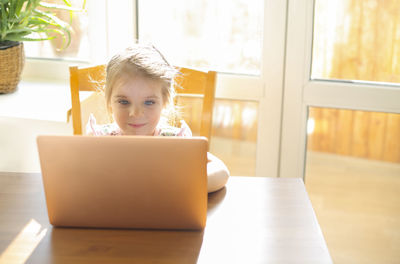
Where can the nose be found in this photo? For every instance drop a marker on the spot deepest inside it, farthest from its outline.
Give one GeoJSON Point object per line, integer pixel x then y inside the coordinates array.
{"type": "Point", "coordinates": [135, 111]}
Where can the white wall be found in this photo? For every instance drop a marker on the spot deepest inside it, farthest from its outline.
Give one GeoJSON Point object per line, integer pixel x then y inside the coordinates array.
{"type": "Point", "coordinates": [34, 108]}
{"type": "Point", "coordinates": [18, 152]}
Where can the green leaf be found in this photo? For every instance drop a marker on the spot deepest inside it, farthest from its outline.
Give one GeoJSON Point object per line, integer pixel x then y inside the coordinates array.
{"type": "Point", "coordinates": [19, 38]}
{"type": "Point", "coordinates": [11, 10]}
{"type": "Point", "coordinates": [20, 31]}
{"type": "Point", "coordinates": [20, 18]}
{"type": "Point", "coordinates": [3, 25]}
{"type": "Point", "coordinates": [53, 20]}
{"type": "Point", "coordinates": [67, 2]}
{"type": "Point", "coordinates": [60, 7]}
{"type": "Point", "coordinates": [40, 20]}
{"type": "Point", "coordinates": [18, 7]}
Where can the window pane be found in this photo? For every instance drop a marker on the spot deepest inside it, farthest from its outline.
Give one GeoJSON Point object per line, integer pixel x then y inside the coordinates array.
{"type": "Point", "coordinates": [223, 35]}
{"type": "Point", "coordinates": [79, 47]}
{"type": "Point", "coordinates": [352, 178]}
{"type": "Point", "coordinates": [357, 40]}
{"type": "Point", "coordinates": [234, 131]}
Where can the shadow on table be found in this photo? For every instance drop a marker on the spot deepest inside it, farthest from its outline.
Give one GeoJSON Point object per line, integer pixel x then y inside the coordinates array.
{"type": "Point", "coordinates": [74, 245]}
{"type": "Point", "coordinates": [215, 199]}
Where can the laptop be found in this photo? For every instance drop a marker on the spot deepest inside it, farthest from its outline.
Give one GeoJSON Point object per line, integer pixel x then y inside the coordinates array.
{"type": "Point", "coordinates": [125, 181]}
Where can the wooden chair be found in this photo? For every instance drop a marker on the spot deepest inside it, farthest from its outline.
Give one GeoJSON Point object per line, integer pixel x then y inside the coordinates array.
{"type": "Point", "coordinates": [202, 84]}
{"type": "Point", "coordinates": [191, 82]}
{"type": "Point", "coordinates": [83, 79]}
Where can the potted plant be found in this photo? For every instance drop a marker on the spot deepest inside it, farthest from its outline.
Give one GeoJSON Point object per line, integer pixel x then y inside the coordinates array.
{"type": "Point", "coordinates": [27, 20]}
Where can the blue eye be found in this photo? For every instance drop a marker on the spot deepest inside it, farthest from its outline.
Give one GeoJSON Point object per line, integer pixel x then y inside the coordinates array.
{"type": "Point", "coordinates": [149, 102]}
{"type": "Point", "coordinates": [123, 102]}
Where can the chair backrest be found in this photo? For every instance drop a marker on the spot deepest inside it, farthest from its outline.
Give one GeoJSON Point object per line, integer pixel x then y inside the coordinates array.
{"type": "Point", "coordinates": [199, 83]}
{"type": "Point", "coordinates": [83, 79]}
{"type": "Point", "coordinates": [190, 82]}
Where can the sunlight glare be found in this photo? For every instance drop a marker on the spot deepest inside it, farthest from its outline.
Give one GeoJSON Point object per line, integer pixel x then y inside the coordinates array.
{"type": "Point", "coordinates": [24, 243]}
{"type": "Point", "coordinates": [310, 126]}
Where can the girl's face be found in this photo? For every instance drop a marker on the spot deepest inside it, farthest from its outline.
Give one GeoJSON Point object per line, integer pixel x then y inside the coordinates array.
{"type": "Point", "coordinates": [136, 103]}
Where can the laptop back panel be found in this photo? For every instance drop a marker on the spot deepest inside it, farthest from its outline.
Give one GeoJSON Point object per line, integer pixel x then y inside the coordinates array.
{"type": "Point", "coordinates": [125, 182]}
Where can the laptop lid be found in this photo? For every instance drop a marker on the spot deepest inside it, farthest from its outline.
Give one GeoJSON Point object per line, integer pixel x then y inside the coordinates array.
{"type": "Point", "coordinates": [125, 181]}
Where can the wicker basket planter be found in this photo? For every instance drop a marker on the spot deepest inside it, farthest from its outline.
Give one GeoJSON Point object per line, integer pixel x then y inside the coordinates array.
{"type": "Point", "coordinates": [12, 60]}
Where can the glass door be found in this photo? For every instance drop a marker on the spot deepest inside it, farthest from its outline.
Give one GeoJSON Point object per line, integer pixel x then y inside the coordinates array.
{"type": "Point", "coordinates": [341, 122]}
{"type": "Point", "coordinates": [339, 55]}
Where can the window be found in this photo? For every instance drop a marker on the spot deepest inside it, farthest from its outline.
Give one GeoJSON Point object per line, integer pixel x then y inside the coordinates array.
{"type": "Point", "coordinates": [98, 32]}
{"type": "Point", "coordinates": [222, 35]}
{"type": "Point", "coordinates": [79, 46]}
{"type": "Point", "coordinates": [357, 40]}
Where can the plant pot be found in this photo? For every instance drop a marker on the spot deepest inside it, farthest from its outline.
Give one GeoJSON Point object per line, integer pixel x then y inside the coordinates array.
{"type": "Point", "coordinates": [12, 60]}
{"type": "Point", "coordinates": [76, 32]}
{"type": "Point", "coordinates": [76, 36]}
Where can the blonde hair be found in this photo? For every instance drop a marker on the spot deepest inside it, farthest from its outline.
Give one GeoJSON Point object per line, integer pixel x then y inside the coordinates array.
{"type": "Point", "coordinates": [146, 61]}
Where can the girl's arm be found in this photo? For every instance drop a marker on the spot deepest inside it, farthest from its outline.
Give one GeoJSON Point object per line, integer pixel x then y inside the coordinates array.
{"type": "Point", "coordinates": [217, 173]}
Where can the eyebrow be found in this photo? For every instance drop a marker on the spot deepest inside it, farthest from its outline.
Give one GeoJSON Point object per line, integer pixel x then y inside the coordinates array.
{"type": "Point", "coordinates": [152, 97]}
{"type": "Point", "coordinates": [147, 97]}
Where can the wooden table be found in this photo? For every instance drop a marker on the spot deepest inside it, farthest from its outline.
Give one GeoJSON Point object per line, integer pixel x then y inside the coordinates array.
{"type": "Point", "coordinates": [252, 220]}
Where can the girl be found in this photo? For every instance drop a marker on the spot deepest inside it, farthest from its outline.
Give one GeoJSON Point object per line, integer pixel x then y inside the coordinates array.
{"type": "Point", "coordinates": [139, 92]}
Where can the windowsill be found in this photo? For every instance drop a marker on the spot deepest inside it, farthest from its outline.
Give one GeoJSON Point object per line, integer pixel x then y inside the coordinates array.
{"type": "Point", "coordinates": [37, 99]}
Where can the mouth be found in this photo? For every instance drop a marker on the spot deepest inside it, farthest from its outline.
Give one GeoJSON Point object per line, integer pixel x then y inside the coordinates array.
{"type": "Point", "coordinates": [136, 125]}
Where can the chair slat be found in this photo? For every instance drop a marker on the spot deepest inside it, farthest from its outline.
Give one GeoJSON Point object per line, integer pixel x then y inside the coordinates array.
{"type": "Point", "coordinates": [92, 78]}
